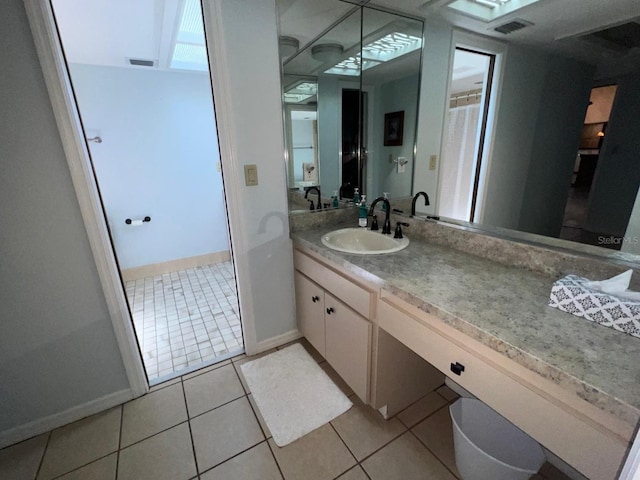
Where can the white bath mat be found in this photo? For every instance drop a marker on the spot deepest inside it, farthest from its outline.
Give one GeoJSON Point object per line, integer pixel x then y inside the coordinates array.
{"type": "Point", "coordinates": [293, 393]}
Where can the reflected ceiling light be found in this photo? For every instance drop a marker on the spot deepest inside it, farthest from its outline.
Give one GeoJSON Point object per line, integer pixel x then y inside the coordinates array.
{"type": "Point", "coordinates": [327, 52]}
{"type": "Point", "coordinates": [392, 45]}
{"type": "Point", "coordinates": [288, 46]}
{"type": "Point", "coordinates": [491, 3]}
{"type": "Point", "coordinates": [300, 92]}
{"type": "Point", "coordinates": [351, 66]}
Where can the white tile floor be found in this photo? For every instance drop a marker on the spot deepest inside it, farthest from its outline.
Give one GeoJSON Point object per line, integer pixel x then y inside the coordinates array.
{"type": "Point", "coordinates": [186, 319]}
{"type": "Point", "coordinates": [205, 426]}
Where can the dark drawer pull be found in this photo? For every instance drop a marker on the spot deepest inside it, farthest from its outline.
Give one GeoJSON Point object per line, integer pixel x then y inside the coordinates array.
{"type": "Point", "coordinates": [315, 299]}
{"type": "Point", "coordinates": [330, 310]}
{"type": "Point", "coordinates": [457, 368]}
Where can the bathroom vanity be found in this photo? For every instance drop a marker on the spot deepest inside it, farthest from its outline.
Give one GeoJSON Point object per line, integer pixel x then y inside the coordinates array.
{"type": "Point", "coordinates": [393, 325]}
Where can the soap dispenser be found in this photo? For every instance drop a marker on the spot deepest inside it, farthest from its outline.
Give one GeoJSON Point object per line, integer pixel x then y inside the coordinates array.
{"type": "Point", "coordinates": [362, 212]}
{"type": "Point", "coordinates": [334, 199]}
{"type": "Point", "coordinates": [356, 196]}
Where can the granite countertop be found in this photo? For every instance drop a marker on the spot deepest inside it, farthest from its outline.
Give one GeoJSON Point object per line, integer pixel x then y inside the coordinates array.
{"type": "Point", "coordinates": [506, 309]}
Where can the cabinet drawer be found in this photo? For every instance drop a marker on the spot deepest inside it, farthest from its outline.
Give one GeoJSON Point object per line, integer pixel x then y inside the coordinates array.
{"type": "Point", "coordinates": [357, 297]}
{"type": "Point", "coordinates": [590, 447]}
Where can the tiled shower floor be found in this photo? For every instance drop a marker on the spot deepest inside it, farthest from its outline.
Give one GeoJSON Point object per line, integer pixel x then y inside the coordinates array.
{"type": "Point", "coordinates": [186, 319]}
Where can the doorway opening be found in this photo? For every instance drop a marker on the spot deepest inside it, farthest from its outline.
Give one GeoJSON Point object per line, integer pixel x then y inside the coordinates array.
{"type": "Point", "coordinates": [592, 139]}
{"type": "Point", "coordinates": [464, 146]}
{"type": "Point", "coordinates": [353, 135]}
{"type": "Point", "coordinates": [140, 78]}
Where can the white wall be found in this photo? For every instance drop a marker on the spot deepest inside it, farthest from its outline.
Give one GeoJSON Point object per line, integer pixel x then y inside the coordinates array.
{"type": "Point", "coordinates": [243, 40]}
{"type": "Point", "coordinates": [329, 134]}
{"type": "Point", "coordinates": [436, 58]}
{"type": "Point", "coordinates": [398, 95]}
{"type": "Point", "coordinates": [540, 113]}
{"type": "Point", "coordinates": [617, 177]}
{"type": "Point", "coordinates": [57, 346]}
{"type": "Point", "coordinates": [562, 106]}
{"type": "Point", "coordinates": [631, 243]}
{"type": "Point", "coordinates": [302, 138]}
{"type": "Point", "coordinates": [158, 158]}
{"type": "Point", "coordinates": [522, 82]}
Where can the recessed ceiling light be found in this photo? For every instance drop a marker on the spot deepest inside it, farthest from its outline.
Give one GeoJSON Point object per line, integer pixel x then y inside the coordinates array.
{"type": "Point", "coordinates": [288, 46]}
{"type": "Point", "coordinates": [327, 52]}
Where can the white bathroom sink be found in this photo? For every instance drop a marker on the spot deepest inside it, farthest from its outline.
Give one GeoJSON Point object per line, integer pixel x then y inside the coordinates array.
{"type": "Point", "coordinates": [363, 241]}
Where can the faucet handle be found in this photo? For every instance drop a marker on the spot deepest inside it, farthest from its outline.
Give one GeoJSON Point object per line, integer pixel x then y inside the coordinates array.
{"type": "Point", "coordinates": [399, 225]}
{"type": "Point", "coordinates": [374, 223]}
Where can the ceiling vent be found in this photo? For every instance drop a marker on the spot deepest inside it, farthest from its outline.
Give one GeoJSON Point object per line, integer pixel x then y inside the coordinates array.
{"type": "Point", "coordinates": [513, 26]}
{"type": "Point", "coordinates": [621, 38]}
{"type": "Point", "coordinates": [139, 62]}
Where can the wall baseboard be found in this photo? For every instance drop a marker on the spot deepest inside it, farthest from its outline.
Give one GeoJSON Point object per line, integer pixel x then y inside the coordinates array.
{"type": "Point", "coordinates": [42, 425]}
{"type": "Point", "coordinates": [143, 271]}
{"type": "Point", "coordinates": [274, 342]}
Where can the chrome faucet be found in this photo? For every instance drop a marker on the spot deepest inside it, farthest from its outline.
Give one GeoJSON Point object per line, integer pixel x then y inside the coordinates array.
{"type": "Point", "coordinates": [386, 229]}
{"type": "Point", "coordinates": [317, 189]}
{"type": "Point", "coordinates": [415, 197]}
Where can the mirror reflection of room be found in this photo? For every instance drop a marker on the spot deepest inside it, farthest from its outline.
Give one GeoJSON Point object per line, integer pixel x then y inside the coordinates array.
{"type": "Point", "coordinates": [538, 160]}
{"type": "Point", "coordinates": [365, 67]}
{"type": "Point", "coordinates": [591, 141]}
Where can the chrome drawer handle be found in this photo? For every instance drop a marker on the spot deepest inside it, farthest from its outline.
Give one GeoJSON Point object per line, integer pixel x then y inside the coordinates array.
{"type": "Point", "coordinates": [330, 310]}
{"type": "Point", "coordinates": [315, 299]}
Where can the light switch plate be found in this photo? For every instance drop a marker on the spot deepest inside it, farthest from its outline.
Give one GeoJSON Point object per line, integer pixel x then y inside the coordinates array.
{"type": "Point", "coordinates": [432, 162]}
{"type": "Point", "coordinates": [250, 175]}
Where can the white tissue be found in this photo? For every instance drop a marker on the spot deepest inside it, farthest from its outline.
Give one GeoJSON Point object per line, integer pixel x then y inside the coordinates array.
{"type": "Point", "coordinates": [616, 286]}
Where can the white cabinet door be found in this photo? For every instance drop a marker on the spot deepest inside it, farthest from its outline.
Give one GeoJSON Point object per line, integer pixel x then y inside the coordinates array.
{"type": "Point", "coordinates": [310, 311]}
{"type": "Point", "coordinates": [348, 337]}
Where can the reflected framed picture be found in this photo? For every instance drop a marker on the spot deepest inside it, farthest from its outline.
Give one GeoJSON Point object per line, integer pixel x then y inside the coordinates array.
{"type": "Point", "coordinates": [393, 128]}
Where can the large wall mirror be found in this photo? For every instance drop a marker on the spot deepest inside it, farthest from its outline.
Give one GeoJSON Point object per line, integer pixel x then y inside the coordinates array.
{"type": "Point", "coordinates": [351, 103]}
{"type": "Point", "coordinates": [528, 118]}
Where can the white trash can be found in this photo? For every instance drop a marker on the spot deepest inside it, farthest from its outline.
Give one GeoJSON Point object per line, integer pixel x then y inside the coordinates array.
{"type": "Point", "coordinates": [489, 447]}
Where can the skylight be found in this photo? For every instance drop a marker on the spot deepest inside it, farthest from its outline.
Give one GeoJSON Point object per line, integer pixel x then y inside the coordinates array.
{"type": "Point", "coordinates": [190, 52]}
{"type": "Point", "coordinates": [489, 10]}
{"type": "Point", "coordinates": [384, 49]}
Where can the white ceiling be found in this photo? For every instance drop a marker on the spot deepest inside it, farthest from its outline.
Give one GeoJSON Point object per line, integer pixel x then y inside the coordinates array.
{"type": "Point", "coordinates": [108, 32]}
{"type": "Point", "coordinates": [556, 22]}
{"type": "Point", "coordinates": [469, 70]}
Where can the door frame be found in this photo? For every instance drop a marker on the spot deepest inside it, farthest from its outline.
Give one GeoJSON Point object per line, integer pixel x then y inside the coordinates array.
{"type": "Point", "coordinates": [488, 46]}
{"type": "Point", "coordinates": [65, 109]}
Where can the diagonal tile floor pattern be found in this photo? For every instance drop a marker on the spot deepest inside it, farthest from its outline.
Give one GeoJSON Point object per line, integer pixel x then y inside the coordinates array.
{"type": "Point", "coordinates": [186, 319]}
{"type": "Point", "coordinates": [205, 426]}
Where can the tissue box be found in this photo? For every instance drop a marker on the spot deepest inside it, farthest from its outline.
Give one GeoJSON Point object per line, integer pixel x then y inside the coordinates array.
{"type": "Point", "coordinates": [570, 294]}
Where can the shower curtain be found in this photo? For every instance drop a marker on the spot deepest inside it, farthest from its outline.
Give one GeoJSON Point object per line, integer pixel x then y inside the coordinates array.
{"type": "Point", "coordinates": [459, 162]}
